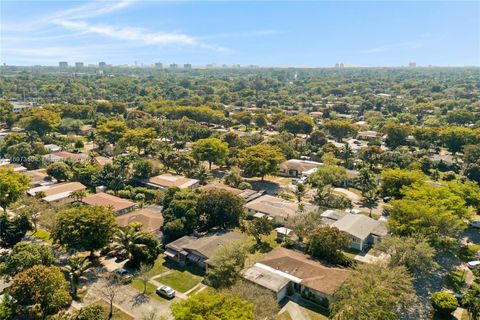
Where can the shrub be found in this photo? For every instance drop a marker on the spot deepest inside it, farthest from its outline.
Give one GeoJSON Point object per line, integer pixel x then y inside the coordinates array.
{"type": "Point", "coordinates": [444, 303]}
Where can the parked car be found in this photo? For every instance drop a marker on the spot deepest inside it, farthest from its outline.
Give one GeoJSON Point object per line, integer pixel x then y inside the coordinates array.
{"type": "Point", "coordinates": [473, 264]}
{"type": "Point", "coordinates": [124, 274]}
{"type": "Point", "coordinates": [475, 224]}
{"type": "Point", "coordinates": [166, 292]}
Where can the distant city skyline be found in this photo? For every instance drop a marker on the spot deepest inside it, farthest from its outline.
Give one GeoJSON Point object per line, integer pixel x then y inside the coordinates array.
{"type": "Point", "coordinates": [268, 34]}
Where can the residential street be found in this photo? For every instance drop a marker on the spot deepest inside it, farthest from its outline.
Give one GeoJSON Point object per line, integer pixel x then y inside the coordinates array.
{"type": "Point", "coordinates": [128, 300]}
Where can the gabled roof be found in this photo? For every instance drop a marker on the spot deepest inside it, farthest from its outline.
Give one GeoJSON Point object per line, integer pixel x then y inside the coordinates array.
{"type": "Point", "coordinates": [205, 245]}
{"type": "Point", "coordinates": [105, 199]}
{"type": "Point", "coordinates": [277, 207]}
{"type": "Point", "coordinates": [57, 191]}
{"type": "Point", "coordinates": [357, 225]}
{"type": "Point", "coordinates": [299, 165]}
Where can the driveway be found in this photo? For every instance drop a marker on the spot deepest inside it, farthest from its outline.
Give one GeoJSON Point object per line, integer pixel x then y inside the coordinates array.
{"type": "Point", "coordinates": [128, 300]}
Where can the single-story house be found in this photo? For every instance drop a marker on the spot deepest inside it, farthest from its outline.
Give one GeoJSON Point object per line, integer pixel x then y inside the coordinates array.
{"type": "Point", "coordinates": [283, 234]}
{"type": "Point", "coordinates": [102, 161]}
{"type": "Point", "coordinates": [247, 194]}
{"type": "Point", "coordinates": [199, 250]}
{"type": "Point", "coordinates": [330, 216]}
{"type": "Point", "coordinates": [57, 194]}
{"type": "Point", "coordinates": [119, 205]}
{"type": "Point", "coordinates": [150, 217]}
{"type": "Point", "coordinates": [276, 208]}
{"type": "Point", "coordinates": [14, 166]}
{"type": "Point", "coordinates": [283, 268]}
{"type": "Point", "coordinates": [52, 147]}
{"type": "Point", "coordinates": [367, 135]}
{"type": "Point", "coordinates": [363, 231]}
{"type": "Point", "coordinates": [39, 177]}
{"type": "Point", "coordinates": [166, 180]}
{"type": "Point", "coordinates": [296, 168]}
{"type": "Point", "coordinates": [64, 155]}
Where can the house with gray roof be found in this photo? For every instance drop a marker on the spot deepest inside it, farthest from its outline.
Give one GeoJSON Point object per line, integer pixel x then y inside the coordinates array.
{"type": "Point", "coordinates": [200, 250]}
{"type": "Point", "coordinates": [363, 231]}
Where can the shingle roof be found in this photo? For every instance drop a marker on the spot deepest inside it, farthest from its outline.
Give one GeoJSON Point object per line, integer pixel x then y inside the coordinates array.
{"type": "Point", "coordinates": [357, 225]}
{"type": "Point", "coordinates": [312, 273]}
{"type": "Point", "coordinates": [57, 191]}
{"type": "Point", "coordinates": [299, 165]}
{"type": "Point", "coordinates": [150, 217]}
{"type": "Point", "coordinates": [247, 195]}
{"type": "Point", "coordinates": [277, 207]}
{"type": "Point", "coordinates": [206, 245]}
{"type": "Point", "coordinates": [105, 199]}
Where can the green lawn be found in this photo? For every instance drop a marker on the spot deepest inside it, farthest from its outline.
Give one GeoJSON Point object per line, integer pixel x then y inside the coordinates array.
{"type": "Point", "coordinates": [158, 267]}
{"type": "Point", "coordinates": [180, 280]}
{"type": "Point", "coordinates": [42, 235]}
{"type": "Point", "coordinates": [117, 313]}
{"type": "Point", "coordinates": [138, 285]}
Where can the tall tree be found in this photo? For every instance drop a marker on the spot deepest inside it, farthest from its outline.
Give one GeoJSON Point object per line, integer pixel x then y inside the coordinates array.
{"type": "Point", "coordinates": [45, 286]}
{"type": "Point", "coordinates": [75, 270]}
{"type": "Point", "coordinates": [84, 228]}
{"type": "Point", "coordinates": [219, 306]}
{"type": "Point", "coordinates": [220, 208]}
{"type": "Point", "coordinates": [212, 150]}
{"type": "Point", "coordinates": [25, 255]}
{"type": "Point", "coordinates": [374, 292]}
{"type": "Point", "coordinates": [260, 160]}
{"type": "Point", "coordinates": [12, 186]}
{"type": "Point", "coordinates": [327, 243]}
{"type": "Point", "coordinates": [227, 263]}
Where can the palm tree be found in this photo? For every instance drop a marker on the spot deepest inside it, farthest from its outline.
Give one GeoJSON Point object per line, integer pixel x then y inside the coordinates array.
{"type": "Point", "coordinates": [75, 270]}
{"type": "Point", "coordinates": [128, 240]}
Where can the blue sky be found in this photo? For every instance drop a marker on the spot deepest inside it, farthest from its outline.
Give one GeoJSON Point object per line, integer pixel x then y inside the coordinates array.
{"type": "Point", "coordinates": [265, 33]}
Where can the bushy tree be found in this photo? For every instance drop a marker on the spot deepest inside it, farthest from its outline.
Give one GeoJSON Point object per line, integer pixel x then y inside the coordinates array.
{"type": "Point", "coordinates": [40, 120]}
{"type": "Point", "coordinates": [393, 180]}
{"type": "Point", "coordinates": [25, 255]}
{"type": "Point", "coordinates": [206, 306]}
{"type": "Point", "coordinates": [45, 286]}
{"type": "Point", "coordinates": [12, 186]}
{"type": "Point", "coordinates": [327, 243]}
{"type": "Point", "coordinates": [227, 263]}
{"type": "Point", "coordinates": [212, 150]}
{"type": "Point", "coordinates": [59, 171]}
{"type": "Point", "coordinates": [85, 228]}
{"type": "Point", "coordinates": [340, 129]}
{"type": "Point", "coordinates": [260, 160]}
{"type": "Point", "coordinates": [328, 175]}
{"type": "Point", "coordinates": [220, 208]}
{"type": "Point", "coordinates": [374, 292]}
{"type": "Point", "coordinates": [258, 227]}
{"type": "Point", "coordinates": [415, 254]}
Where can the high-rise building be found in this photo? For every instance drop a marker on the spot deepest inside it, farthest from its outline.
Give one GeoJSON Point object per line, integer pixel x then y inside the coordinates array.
{"type": "Point", "coordinates": [102, 64]}
{"type": "Point", "coordinates": [187, 66]}
{"type": "Point", "coordinates": [412, 65]}
{"type": "Point", "coordinates": [78, 64]}
{"type": "Point", "coordinates": [63, 64]}
{"type": "Point", "coordinates": [159, 65]}
{"type": "Point", "coordinates": [173, 66]}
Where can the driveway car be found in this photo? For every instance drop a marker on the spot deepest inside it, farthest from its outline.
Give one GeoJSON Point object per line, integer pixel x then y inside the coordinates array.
{"type": "Point", "coordinates": [166, 292]}
{"type": "Point", "coordinates": [474, 264]}
{"type": "Point", "coordinates": [475, 224]}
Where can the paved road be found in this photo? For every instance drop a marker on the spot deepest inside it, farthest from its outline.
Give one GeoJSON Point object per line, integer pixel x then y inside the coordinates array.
{"type": "Point", "coordinates": [130, 300]}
